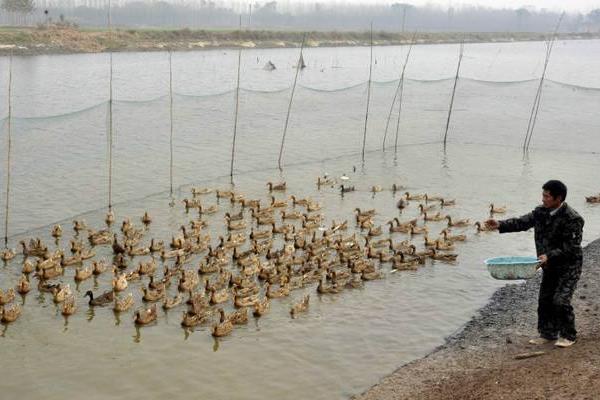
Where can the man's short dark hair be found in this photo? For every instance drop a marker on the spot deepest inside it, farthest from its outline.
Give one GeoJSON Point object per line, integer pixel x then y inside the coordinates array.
{"type": "Point", "coordinates": [556, 189]}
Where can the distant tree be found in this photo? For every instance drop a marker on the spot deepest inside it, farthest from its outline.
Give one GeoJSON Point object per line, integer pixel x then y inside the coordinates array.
{"type": "Point", "coordinates": [18, 6]}
{"type": "Point", "coordinates": [404, 8]}
{"type": "Point", "coordinates": [594, 16]}
{"type": "Point", "coordinates": [522, 15]}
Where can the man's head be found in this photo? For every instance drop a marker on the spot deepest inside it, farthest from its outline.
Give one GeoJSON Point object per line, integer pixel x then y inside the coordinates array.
{"type": "Point", "coordinates": [554, 193]}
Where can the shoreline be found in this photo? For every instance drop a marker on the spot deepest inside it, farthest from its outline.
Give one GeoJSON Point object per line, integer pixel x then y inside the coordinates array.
{"type": "Point", "coordinates": [28, 41]}
{"type": "Point", "coordinates": [479, 360]}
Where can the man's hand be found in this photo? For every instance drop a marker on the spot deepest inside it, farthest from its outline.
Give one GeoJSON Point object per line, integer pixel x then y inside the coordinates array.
{"type": "Point", "coordinates": [543, 259]}
{"type": "Point", "coordinates": [492, 224]}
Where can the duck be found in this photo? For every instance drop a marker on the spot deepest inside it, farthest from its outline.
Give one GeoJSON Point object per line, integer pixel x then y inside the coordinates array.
{"type": "Point", "coordinates": [397, 188]}
{"type": "Point", "coordinates": [409, 196]}
{"type": "Point", "coordinates": [281, 186]}
{"type": "Point", "coordinates": [61, 293]}
{"type": "Point", "coordinates": [245, 301]}
{"type": "Point", "coordinates": [400, 263]}
{"type": "Point", "coordinates": [76, 246]}
{"type": "Point", "coordinates": [375, 231]}
{"type": "Point", "coordinates": [102, 300]}
{"type": "Point", "coordinates": [224, 194]}
{"type": "Point", "coordinates": [8, 254]}
{"type": "Point", "coordinates": [56, 231]}
{"type": "Point", "coordinates": [28, 267]}
{"type": "Point", "coordinates": [299, 202]}
{"type": "Point", "coordinates": [101, 237]}
{"type": "Point", "coordinates": [416, 230]}
{"type": "Point", "coordinates": [327, 289]}
{"type": "Point", "coordinates": [110, 217]}
{"type": "Point", "coordinates": [376, 189]}
{"type": "Point", "coordinates": [291, 215]}
{"type": "Point", "coordinates": [152, 294]}
{"type": "Point", "coordinates": [146, 316]}
{"type": "Point", "coordinates": [10, 313]}
{"type": "Point", "coordinates": [69, 307]}
{"type": "Point", "coordinates": [429, 198]}
{"type": "Point", "coordinates": [146, 218]}
{"type": "Point", "coordinates": [398, 228]}
{"type": "Point", "coordinates": [261, 307]}
{"type": "Point", "coordinates": [7, 296]}
{"type": "Point", "coordinates": [313, 206]}
{"type": "Point", "coordinates": [201, 191]}
{"type": "Point", "coordinates": [482, 227]}
{"type": "Point", "coordinates": [436, 217]}
{"type": "Point", "coordinates": [324, 180]}
{"type": "Point", "coordinates": [219, 296]}
{"type": "Point", "coordinates": [81, 274]}
{"type": "Point", "coordinates": [300, 307]}
{"type": "Point", "coordinates": [236, 226]}
{"type": "Point", "coordinates": [239, 317]}
{"type": "Point", "coordinates": [119, 283]}
{"type": "Point", "coordinates": [593, 199]}
{"type": "Point", "coordinates": [283, 291]}
{"type": "Point", "coordinates": [190, 319]}
{"type": "Point", "coordinates": [428, 242]}
{"type": "Point", "coordinates": [446, 257]}
{"type": "Point", "coordinates": [260, 234]}
{"type": "Point", "coordinates": [453, 238]}
{"type": "Point", "coordinates": [79, 225]}
{"type": "Point", "coordinates": [443, 245]}
{"type": "Point", "coordinates": [148, 267]}
{"type": "Point", "coordinates": [124, 303]}
{"type": "Point", "coordinates": [278, 203]}
{"type": "Point", "coordinates": [497, 210]}
{"type": "Point", "coordinates": [235, 217]}
{"type": "Point", "coordinates": [156, 245]}
{"type": "Point", "coordinates": [224, 327]}
{"type": "Point", "coordinates": [371, 275]}
{"type": "Point", "coordinates": [423, 208]}
{"type": "Point", "coordinates": [447, 202]}
{"type": "Point", "coordinates": [208, 210]}
{"type": "Point", "coordinates": [347, 189]}
{"type": "Point", "coordinates": [23, 286]}
{"type": "Point", "coordinates": [172, 302]}
{"type": "Point", "coordinates": [401, 204]}
{"type": "Point", "coordinates": [458, 222]}
{"type": "Point", "coordinates": [365, 213]}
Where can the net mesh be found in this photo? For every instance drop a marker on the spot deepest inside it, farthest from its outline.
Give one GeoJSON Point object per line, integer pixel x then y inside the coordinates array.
{"type": "Point", "coordinates": [57, 156]}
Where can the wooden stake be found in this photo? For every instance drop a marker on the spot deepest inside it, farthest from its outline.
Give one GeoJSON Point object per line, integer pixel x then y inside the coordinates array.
{"type": "Point", "coordinates": [368, 96]}
{"type": "Point", "coordinates": [460, 56]}
{"type": "Point", "coordinates": [237, 103]}
{"type": "Point", "coordinates": [287, 118]}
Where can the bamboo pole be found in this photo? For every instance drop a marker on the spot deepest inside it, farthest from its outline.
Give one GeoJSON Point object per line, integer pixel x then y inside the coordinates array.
{"type": "Point", "coordinates": [8, 152]}
{"type": "Point", "coordinates": [237, 103]}
{"type": "Point", "coordinates": [538, 97]}
{"type": "Point", "coordinates": [172, 203]}
{"type": "Point", "coordinates": [399, 91]}
{"type": "Point", "coordinates": [287, 118]}
{"type": "Point", "coordinates": [110, 113]}
{"type": "Point", "coordinates": [368, 96]}
{"type": "Point", "coordinates": [460, 56]}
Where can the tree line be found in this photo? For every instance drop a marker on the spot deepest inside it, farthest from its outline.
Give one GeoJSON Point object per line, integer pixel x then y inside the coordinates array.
{"type": "Point", "coordinates": [310, 15]}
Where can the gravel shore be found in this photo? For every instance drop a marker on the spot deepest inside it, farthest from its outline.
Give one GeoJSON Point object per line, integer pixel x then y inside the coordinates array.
{"type": "Point", "coordinates": [480, 361]}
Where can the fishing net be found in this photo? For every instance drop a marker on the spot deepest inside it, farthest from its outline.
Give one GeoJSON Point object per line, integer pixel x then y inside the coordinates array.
{"type": "Point", "coordinates": [56, 157]}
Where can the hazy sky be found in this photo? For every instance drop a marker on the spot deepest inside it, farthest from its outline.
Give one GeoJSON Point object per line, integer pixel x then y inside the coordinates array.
{"type": "Point", "coordinates": [554, 5]}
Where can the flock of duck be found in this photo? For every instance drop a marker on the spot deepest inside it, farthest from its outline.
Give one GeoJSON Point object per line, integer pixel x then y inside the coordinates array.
{"type": "Point", "coordinates": [268, 249]}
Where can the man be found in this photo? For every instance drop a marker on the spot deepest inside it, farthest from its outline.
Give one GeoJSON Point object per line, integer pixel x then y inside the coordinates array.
{"type": "Point", "coordinates": [558, 230]}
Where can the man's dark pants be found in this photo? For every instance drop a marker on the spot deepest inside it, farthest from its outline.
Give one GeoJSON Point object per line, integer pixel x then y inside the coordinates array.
{"type": "Point", "coordinates": [555, 313]}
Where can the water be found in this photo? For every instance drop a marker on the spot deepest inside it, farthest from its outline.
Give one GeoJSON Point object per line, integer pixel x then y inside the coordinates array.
{"type": "Point", "coordinates": [346, 342]}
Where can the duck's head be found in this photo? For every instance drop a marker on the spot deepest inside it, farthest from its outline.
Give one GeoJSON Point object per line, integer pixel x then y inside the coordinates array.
{"type": "Point", "coordinates": [89, 293]}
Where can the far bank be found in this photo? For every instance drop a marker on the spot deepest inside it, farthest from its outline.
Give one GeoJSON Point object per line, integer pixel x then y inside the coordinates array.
{"type": "Point", "coordinates": [69, 40]}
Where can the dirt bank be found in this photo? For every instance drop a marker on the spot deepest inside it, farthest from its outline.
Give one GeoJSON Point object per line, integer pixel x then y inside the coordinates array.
{"type": "Point", "coordinates": [479, 362]}
{"type": "Point", "coordinates": [60, 40]}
